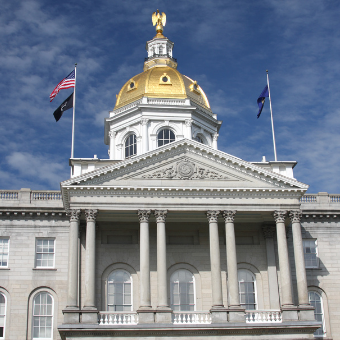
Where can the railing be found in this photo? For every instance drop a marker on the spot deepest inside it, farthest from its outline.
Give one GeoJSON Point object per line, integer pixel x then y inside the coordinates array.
{"type": "Point", "coordinates": [9, 194]}
{"type": "Point", "coordinates": [320, 198]}
{"type": "Point", "coordinates": [118, 318]}
{"type": "Point", "coordinates": [308, 198]}
{"type": "Point", "coordinates": [45, 195]}
{"type": "Point", "coordinates": [178, 102]}
{"type": "Point", "coordinates": [263, 316]}
{"type": "Point", "coordinates": [184, 318]}
{"type": "Point", "coordinates": [161, 55]}
{"type": "Point", "coordinates": [334, 198]}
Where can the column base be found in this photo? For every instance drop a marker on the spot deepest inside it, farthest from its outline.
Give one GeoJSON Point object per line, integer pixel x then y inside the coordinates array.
{"type": "Point", "coordinates": [236, 314]}
{"type": "Point", "coordinates": [163, 315]}
{"type": "Point", "coordinates": [89, 315]}
{"type": "Point", "coordinates": [219, 314]}
{"type": "Point", "coordinates": [306, 312]}
{"type": "Point", "coordinates": [146, 315]}
{"type": "Point", "coordinates": [289, 313]}
{"type": "Point", "coordinates": [71, 315]}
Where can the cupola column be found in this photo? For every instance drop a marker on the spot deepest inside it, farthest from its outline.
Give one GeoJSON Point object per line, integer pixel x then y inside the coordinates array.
{"type": "Point", "coordinates": [188, 131]}
{"type": "Point", "coordinates": [112, 135]}
{"type": "Point", "coordinates": [90, 267]}
{"type": "Point", "coordinates": [145, 135]}
{"type": "Point", "coordinates": [306, 311]}
{"type": "Point", "coordinates": [214, 143]}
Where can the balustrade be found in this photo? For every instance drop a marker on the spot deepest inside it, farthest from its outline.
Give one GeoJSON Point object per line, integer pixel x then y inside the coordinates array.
{"type": "Point", "coordinates": [263, 316]}
{"type": "Point", "coordinates": [183, 318]}
{"type": "Point", "coordinates": [118, 318]}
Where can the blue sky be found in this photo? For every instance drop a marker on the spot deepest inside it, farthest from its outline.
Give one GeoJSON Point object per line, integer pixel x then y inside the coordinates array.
{"type": "Point", "coordinates": [225, 45]}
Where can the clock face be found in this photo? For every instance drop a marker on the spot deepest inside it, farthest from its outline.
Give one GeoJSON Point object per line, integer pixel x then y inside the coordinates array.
{"type": "Point", "coordinates": [165, 79]}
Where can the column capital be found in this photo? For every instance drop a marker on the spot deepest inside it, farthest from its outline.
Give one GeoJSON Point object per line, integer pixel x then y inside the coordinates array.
{"type": "Point", "coordinates": [144, 215]}
{"type": "Point", "coordinates": [229, 215]}
{"type": "Point", "coordinates": [215, 136]}
{"type": "Point", "coordinates": [144, 121]}
{"type": "Point", "coordinates": [91, 215]}
{"type": "Point", "coordinates": [280, 215]}
{"type": "Point", "coordinates": [212, 215]}
{"type": "Point", "coordinates": [112, 134]}
{"type": "Point", "coordinates": [295, 216]}
{"type": "Point", "coordinates": [188, 122]}
{"type": "Point", "coordinates": [268, 231]}
{"type": "Point", "coordinates": [74, 214]}
{"type": "Point", "coordinates": [160, 215]}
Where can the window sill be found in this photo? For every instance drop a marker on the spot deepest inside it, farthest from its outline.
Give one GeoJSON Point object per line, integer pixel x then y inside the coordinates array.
{"type": "Point", "coordinates": [4, 268]}
{"type": "Point", "coordinates": [50, 269]}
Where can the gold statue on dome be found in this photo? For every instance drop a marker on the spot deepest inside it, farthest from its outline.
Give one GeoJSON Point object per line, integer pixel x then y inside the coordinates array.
{"type": "Point", "coordinates": [159, 20]}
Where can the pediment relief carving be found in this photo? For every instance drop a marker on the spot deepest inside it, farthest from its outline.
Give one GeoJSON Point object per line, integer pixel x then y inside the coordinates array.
{"type": "Point", "coordinates": [185, 169]}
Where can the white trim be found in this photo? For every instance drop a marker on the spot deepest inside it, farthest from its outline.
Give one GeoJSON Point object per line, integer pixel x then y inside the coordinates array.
{"type": "Point", "coordinates": [33, 315]}
{"type": "Point", "coordinates": [5, 315]}
{"type": "Point", "coordinates": [35, 252]}
{"type": "Point", "coordinates": [6, 238]}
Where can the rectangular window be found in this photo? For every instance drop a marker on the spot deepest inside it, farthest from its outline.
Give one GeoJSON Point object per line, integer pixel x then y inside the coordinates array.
{"type": "Point", "coordinates": [44, 253]}
{"type": "Point", "coordinates": [4, 249]}
{"type": "Point", "coordinates": [311, 253]}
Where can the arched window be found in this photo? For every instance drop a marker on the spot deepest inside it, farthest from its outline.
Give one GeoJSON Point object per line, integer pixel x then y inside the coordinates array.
{"type": "Point", "coordinates": [43, 316]}
{"type": "Point", "coordinates": [165, 136]}
{"type": "Point", "coordinates": [315, 300]}
{"type": "Point", "coordinates": [247, 288]}
{"type": "Point", "coordinates": [182, 290]}
{"type": "Point", "coordinates": [119, 292]}
{"type": "Point", "coordinates": [199, 139]}
{"type": "Point", "coordinates": [2, 315]}
{"type": "Point", "coordinates": [131, 146]}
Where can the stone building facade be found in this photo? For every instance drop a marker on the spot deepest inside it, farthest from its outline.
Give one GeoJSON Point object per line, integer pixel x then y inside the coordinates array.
{"type": "Point", "coordinates": [169, 237]}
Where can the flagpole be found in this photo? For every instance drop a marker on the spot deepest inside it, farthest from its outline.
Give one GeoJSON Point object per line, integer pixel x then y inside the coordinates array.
{"type": "Point", "coordinates": [74, 109]}
{"type": "Point", "coordinates": [271, 115]}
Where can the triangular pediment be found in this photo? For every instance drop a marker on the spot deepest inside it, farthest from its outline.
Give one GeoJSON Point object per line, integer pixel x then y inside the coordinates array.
{"type": "Point", "coordinates": [185, 163]}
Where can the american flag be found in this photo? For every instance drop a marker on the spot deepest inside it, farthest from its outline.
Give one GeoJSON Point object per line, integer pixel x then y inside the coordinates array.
{"type": "Point", "coordinates": [66, 83]}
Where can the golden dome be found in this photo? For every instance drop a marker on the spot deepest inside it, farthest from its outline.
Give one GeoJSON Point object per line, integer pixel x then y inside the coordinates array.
{"type": "Point", "coordinates": [161, 82]}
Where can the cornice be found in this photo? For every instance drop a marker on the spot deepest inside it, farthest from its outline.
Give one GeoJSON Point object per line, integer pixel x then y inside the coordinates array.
{"type": "Point", "coordinates": [22, 213]}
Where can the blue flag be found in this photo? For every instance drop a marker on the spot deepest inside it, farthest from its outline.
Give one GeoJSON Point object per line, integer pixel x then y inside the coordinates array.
{"type": "Point", "coordinates": [261, 99]}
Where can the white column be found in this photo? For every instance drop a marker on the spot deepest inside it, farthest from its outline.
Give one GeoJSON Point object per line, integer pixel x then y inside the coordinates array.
{"type": "Point", "coordinates": [90, 259]}
{"type": "Point", "coordinates": [215, 137]}
{"type": "Point", "coordinates": [215, 262]}
{"type": "Point", "coordinates": [112, 135]}
{"type": "Point", "coordinates": [286, 286]}
{"type": "Point", "coordinates": [145, 297]}
{"type": "Point", "coordinates": [145, 135]}
{"type": "Point", "coordinates": [72, 293]}
{"type": "Point", "coordinates": [301, 278]}
{"type": "Point", "coordinates": [188, 132]}
{"type": "Point", "coordinates": [161, 260]}
{"type": "Point", "coordinates": [234, 298]}
{"type": "Point", "coordinates": [269, 233]}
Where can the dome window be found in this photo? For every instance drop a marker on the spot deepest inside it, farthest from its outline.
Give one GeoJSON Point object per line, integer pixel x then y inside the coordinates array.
{"type": "Point", "coordinates": [194, 87]}
{"type": "Point", "coordinates": [131, 85]}
{"type": "Point", "coordinates": [164, 79]}
{"type": "Point", "coordinates": [130, 146]}
{"type": "Point", "coordinates": [165, 136]}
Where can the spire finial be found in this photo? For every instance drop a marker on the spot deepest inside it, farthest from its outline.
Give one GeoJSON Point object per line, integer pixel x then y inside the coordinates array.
{"type": "Point", "coordinates": [159, 20]}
